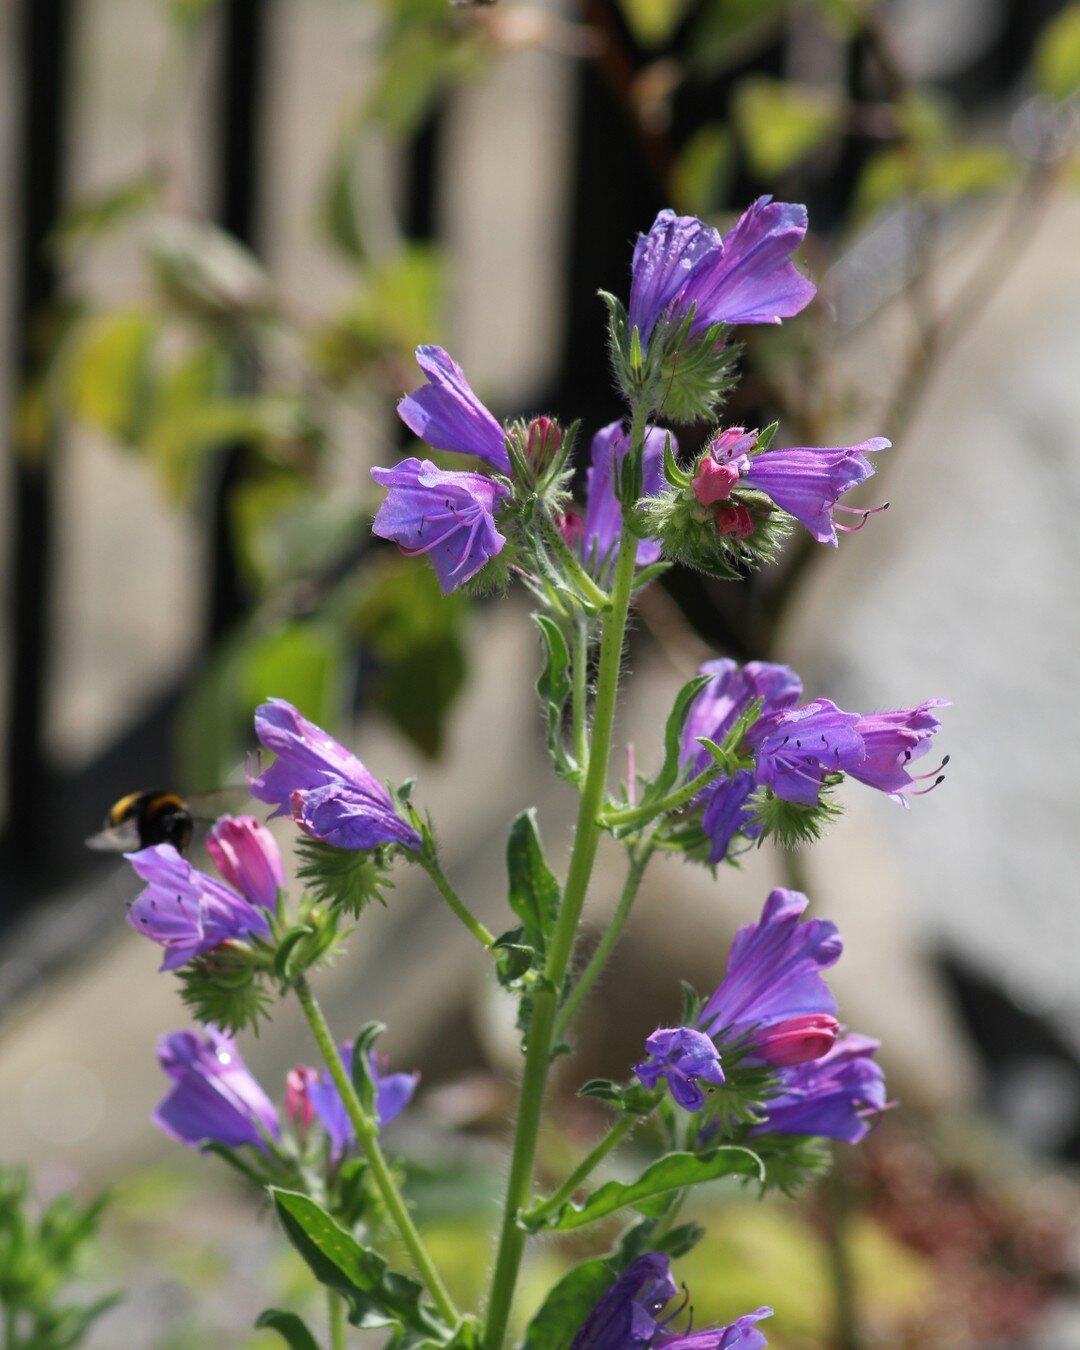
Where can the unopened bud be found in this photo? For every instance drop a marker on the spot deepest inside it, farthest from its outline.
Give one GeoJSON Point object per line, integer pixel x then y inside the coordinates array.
{"type": "Point", "coordinates": [798, 1039]}
{"type": "Point", "coordinates": [298, 1108]}
{"type": "Point", "coordinates": [543, 438]}
{"type": "Point", "coordinates": [734, 522]}
{"type": "Point", "coordinates": [713, 482]}
{"type": "Point", "coordinates": [247, 856]}
{"type": "Point", "coordinates": [571, 527]}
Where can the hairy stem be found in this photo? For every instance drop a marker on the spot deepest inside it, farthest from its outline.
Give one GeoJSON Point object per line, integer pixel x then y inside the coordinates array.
{"type": "Point", "coordinates": [641, 815]}
{"type": "Point", "coordinates": [588, 588]}
{"type": "Point", "coordinates": [545, 1002]}
{"type": "Point", "coordinates": [460, 908]}
{"type": "Point", "coordinates": [335, 1307]}
{"type": "Point", "coordinates": [581, 693]}
{"type": "Point", "coordinates": [367, 1137]}
{"type": "Point", "coordinates": [557, 1199]}
{"type": "Point", "coordinates": [639, 860]}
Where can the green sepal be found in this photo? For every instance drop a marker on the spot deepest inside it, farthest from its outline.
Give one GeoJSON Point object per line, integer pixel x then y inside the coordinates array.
{"type": "Point", "coordinates": [688, 533]}
{"type": "Point", "coordinates": [765, 439]}
{"type": "Point", "coordinates": [651, 1192]}
{"type": "Point", "coordinates": [642, 1237]}
{"type": "Point", "coordinates": [292, 1328]}
{"type": "Point", "coordinates": [554, 685]}
{"type": "Point", "coordinates": [676, 476]}
{"type": "Point", "coordinates": [793, 823]}
{"type": "Point", "coordinates": [226, 987]}
{"type": "Point", "coordinates": [360, 1069]}
{"type": "Point", "coordinates": [534, 891]}
{"type": "Point", "coordinates": [376, 1295]}
{"type": "Point", "coordinates": [793, 1161]}
{"type": "Point", "coordinates": [284, 969]}
{"type": "Point", "coordinates": [691, 1004]}
{"type": "Point", "coordinates": [344, 878]}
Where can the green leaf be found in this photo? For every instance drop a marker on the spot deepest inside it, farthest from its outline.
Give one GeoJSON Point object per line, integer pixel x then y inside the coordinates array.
{"type": "Point", "coordinates": [703, 171]}
{"type": "Point", "coordinates": [969, 169]}
{"type": "Point", "coordinates": [416, 635]}
{"type": "Point", "coordinates": [94, 214]}
{"type": "Point", "coordinates": [1057, 56]}
{"type": "Point", "coordinates": [671, 1173]}
{"type": "Point", "coordinates": [292, 1329]}
{"type": "Point", "coordinates": [568, 1305]}
{"type": "Point", "coordinates": [109, 377]}
{"type": "Point", "coordinates": [554, 687]}
{"type": "Point", "coordinates": [669, 770]}
{"type": "Point", "coordinates": [376, 1295]}
{"type": "Point", "coordinates": [534, 891]}
{"type": "Point", "coordinates": [363, 1079]}
{"type": "Point", "coordinates": [652, 22]}
{"type": "Point", "coordinates": [729, 31]}
{"type": "Point", "coordinates": [780, 123]}
{"type": "Point", "coordinates": [340, 207]}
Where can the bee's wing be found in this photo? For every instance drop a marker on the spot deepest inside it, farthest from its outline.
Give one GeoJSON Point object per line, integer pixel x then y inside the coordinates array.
{"type": "Point", "coordinates": [233, 800]}
{"type": "Point", "coordinates": [116, 838]}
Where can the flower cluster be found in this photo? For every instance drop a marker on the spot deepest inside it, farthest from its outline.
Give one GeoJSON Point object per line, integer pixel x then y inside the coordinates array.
{"type": "Point", "coordinates": [774, 1010]}
{"type": "Point", "coordinates": [757, 1077]}
{"type": "Point", "coordinates": [793, 752]}
{"type": "Point", "coordinates": [214, 1098]}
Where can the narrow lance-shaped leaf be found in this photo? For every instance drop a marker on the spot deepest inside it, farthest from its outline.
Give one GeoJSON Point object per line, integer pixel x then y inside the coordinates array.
{"type": "Point", "coordinates": [534, 890]}
{"type": "Point", "coordinates": [669, 770]}
{"type": "Point", "coordinates": [671, 1173]}
{"type": "Point", "coordinates": [376, 1295]}
{"type": "Point", "coordinates": [554, 686]}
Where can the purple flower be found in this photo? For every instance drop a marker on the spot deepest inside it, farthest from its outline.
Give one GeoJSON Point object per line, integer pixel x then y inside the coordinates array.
{"type": "Point", "coordinates": [312, 1095]}
{"type": "Point", "coordinates": [728, 811]}
{"type": "Point", "coordinates": [628, 1316]}
{"type": "Point", "coordinates": [891, 741]}
{"type": "Point", "coordinates": [808, 483]}
{"type": "Point", "coordinates": [185, 910]}
{"type": "Point", "coordinates": [247, 856]}
{"type": "Point", "coordinates": [773, 973]}
{"type": "Point", "coordinates": [214, 1099]}
{"type": "Point", "coordinates": [684, 1057]}
{"type": "Point", "coordinates": [323, 786]}
{"type": "Point", "coordinates": [746, 277]}
{"type": "Point", "coordinates": [599, 544]}
{"type": "Point", "coordinates": [773, 1003]}
{"type": "Point", "coordinates": [836, 1096]}
{"type": "Point", "coordinates": [805, 482]}
{"type": "Point", "coordinates": [795, 749]}
{"type": "Point", "coordinates": [447, 414]}
{"type": "Point", "coordinates": [727, 695]}
{"type": "Point", "coordinates": [449, 514]}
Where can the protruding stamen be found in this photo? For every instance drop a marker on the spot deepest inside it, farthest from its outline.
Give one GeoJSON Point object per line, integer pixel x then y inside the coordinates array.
{"type": "Point", "coordinates": [921, 792]}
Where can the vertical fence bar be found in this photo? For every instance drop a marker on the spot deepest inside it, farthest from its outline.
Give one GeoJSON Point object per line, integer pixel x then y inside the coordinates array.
{"type": "Point", "coordinates": [42, 46]}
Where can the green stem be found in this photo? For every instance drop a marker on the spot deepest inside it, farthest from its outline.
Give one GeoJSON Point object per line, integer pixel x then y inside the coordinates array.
{"type": "Point", "coordinates": [460, 908]}
{"type": "Point", "coordinates": [367, 1137]}
{"type": "Point", "coordinates": [581, 693]}
{"type": "Point", "coordinates": [639, 860]}
{"type": "Point", "coordinates": [618, 1132]}
{"type": "Point", "coordinates": [545, 1001]}
{"type": "Point", "coordinates": [641, 815]}
{"type": "Point", "coordinates": [587, 588]}
{"type": "Point", "coordinates": [335, 1306]}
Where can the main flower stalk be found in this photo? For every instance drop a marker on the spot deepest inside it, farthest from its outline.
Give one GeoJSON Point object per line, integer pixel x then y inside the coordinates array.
{"type": "Point", "coordinates": [545, 1004]}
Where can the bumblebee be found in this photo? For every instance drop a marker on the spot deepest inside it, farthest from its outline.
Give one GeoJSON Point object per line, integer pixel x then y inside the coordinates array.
{"type": "Point", "coordinates": [144, 818]}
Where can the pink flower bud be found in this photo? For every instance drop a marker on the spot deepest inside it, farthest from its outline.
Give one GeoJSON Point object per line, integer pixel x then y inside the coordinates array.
{"type": "Point", "coordinates": [543, 439]}
{"type": "Point", "coordinates": [571, 527]}
{"type": "Point", "coordinates": [735, 522]}
{"type": "Point", "coordinates": [713, 482]}
{"type": "Point", "coordinates": [298, 1108]}
{"type": "Point", "coordinates": [798, 1039]}
{"type": "Point", "coordinates": [245, 854]}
